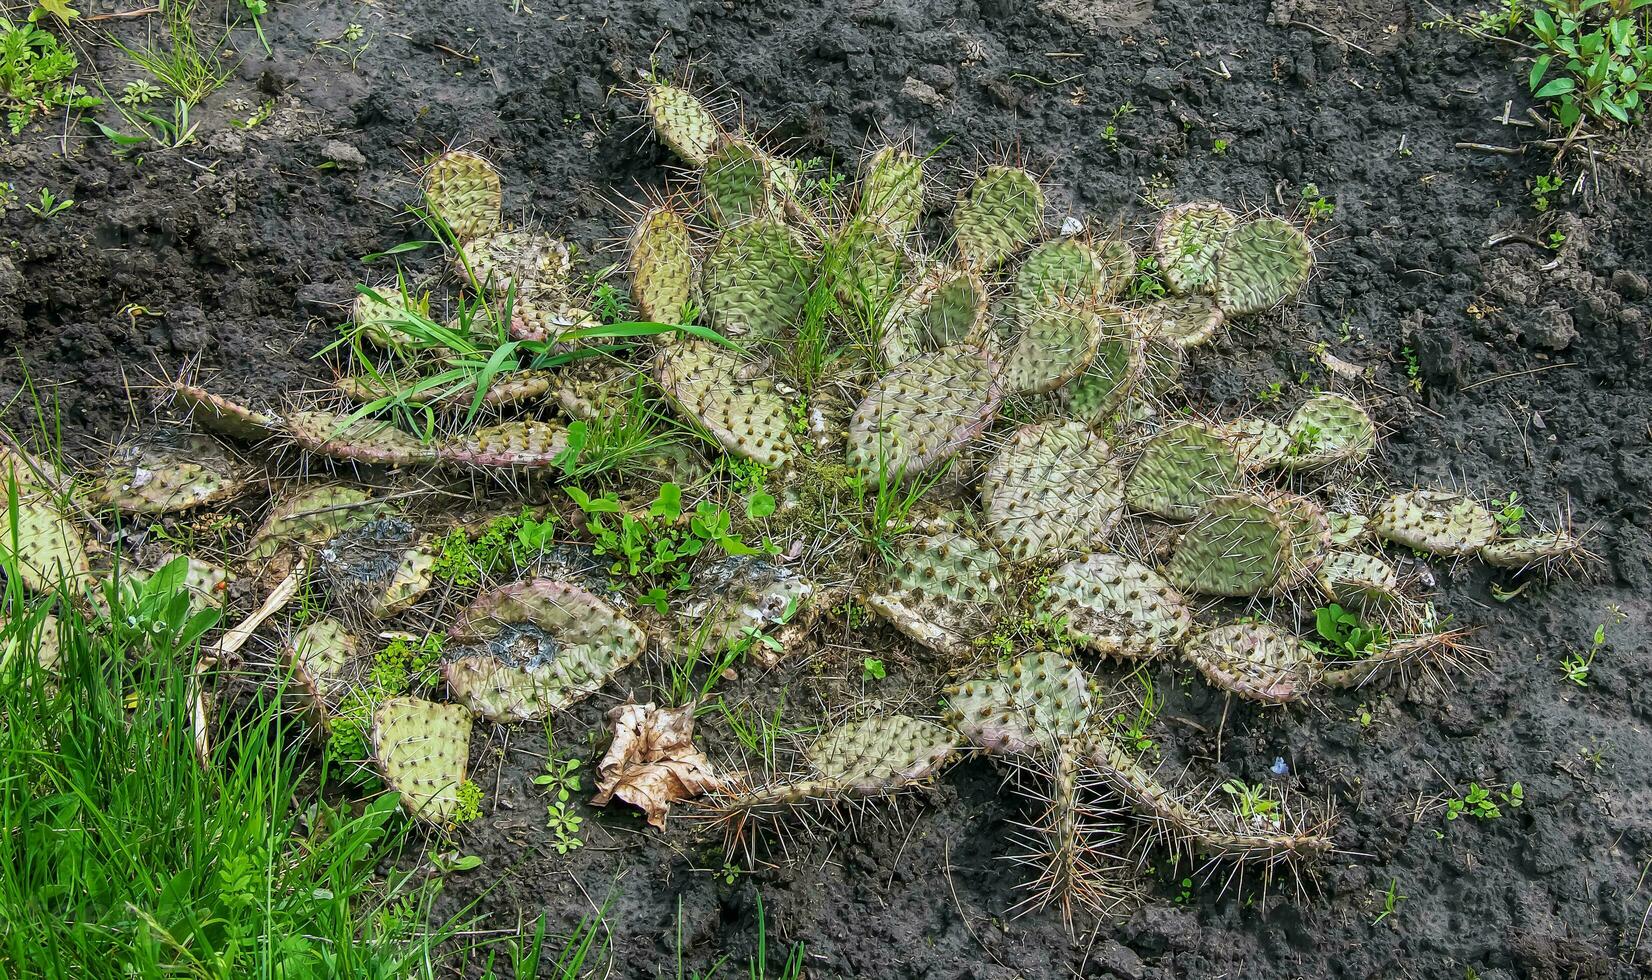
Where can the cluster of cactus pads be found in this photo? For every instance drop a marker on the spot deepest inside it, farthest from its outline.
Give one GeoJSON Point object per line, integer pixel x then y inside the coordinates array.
{"type": "Point", "coordinates": [1036, 371]}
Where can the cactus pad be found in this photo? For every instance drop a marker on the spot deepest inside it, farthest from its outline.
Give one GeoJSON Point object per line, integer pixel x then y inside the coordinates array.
{"type": "Point", "coordinates": [1117, 607]}
{"type": "Point", "coordinates": [947, 306]}
{"type": "Point", "coordinates": [597, 388]}
{"type": "Point", "coordinates": [1531, 550]}
{"type": "Point", "coordinates": [318, 655]}
{"type": "Point", "coordinates": [1347, 527]}
{"type": "Point", "coordinates": [870, 269]}
{"type": "Point", "coordinates": [1438, 521]}
{"type": "Point", "coordinates": [662, 266]}
{"type": "Point", "coordinates": [733, 399]}
{"type": "Point", "coordinates": [1187, 241]}
{"type": "Point", "coordinates": [921, 413]}
{"type": "Point", "coordinates": [892, 191]}
{"type": "Point", "coordinates": [1179, 470]}
{"type": "Point", "coordinates": [943, 591]}
{"type": "Point", "coordinates": [313, 515]}
{"type": "Point", "coordinates": [1326, 430]}
{"type": "Point", "coordinates": [682, 123]}
{"type": "Point", "coordinates": [363, 441]}
{"type": "Point", "coordinates": [43, 546]}
{"type": "Point", "coordinates": [1310, 531]}
{"type": "Point", "coordinates": [421, 749]}
{"type": "Point", "coordinates": [463, 190]}
{"type": "Point", "coordinates": [1263, 263]}
{"type": "Point", "coordinates": [1053, 488]}
{"type": "Point", "coordinates": [379, 315]}
{"type": "Point", "coordinates": [155, 477]}
{"type": "Point", "coordinates": [1002, 211]}
{"type": "Point", "coordinates": [1254, 661]}
{"type": "Point", "coordinates": [215, 413]}
{"type": "Point", "coordinates": [1353, 578]}
{"type": "Point", "coordinates": [1180, 321]}
{"type": "Point", "coordinates": [1095, 396]}
{"type": "Point", "coordinates": [526, 444]}
{"type": "Point", "coordinates": [881, 753]}
{"type": "Point", "coordinates": [1069, 271]}
{"type": "Point", "coordinates": [1055, 345]}
{"type": "Point", "coordinates": [737, 183]}
{"type": "Point", "coordinates": [1258, 443]}
{"type": "Point", "coordinates": [756, 280]}
{"type": "Point", "coordinates": [527, 261]}
{"type": "Point", "coordinates": [537, 646]}
{"type": "Point", "coordinates": [1029, 707]}
{"type": "Point", "coordinates": [737, 598]}
{"type": "Point", "coordinates": [1241, 546]}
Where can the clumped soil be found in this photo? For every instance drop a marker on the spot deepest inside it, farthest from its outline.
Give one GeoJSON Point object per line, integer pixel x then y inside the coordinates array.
{"type": "Point", "coordinates": [241, 252]}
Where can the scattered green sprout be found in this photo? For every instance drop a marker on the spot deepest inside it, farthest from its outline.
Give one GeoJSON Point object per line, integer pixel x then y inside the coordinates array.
{"type": "Point", "coordinates": [37, 76]}
{"type": "Point", "coordinates": [1576, 665]}
{"type": "Point", "coordinates": [183, 62]}
{"type": "Point", "coordinates": [469, 805]}
{"type": "Point", "coordinates": [404, 666]}
{"type": "Point", "coordinates": [1270, 392]}
{"type": "Point", "coordinates": [452, 862]}
{"type": "Point", "coordinates": [1252, 802]}
{"type": "Point", "coordinates": [1344, 634]}
{"type": "Point", "coordinates": [1510, 514]}
{"type": "Point", "coordinates": [49, 205]}
{"type": "Point", "coordinates": [1219, 147]}
{"type": "Point", "coordinates": [1595, 63]}
{"type": "Point", "coordinates": [1390, 901]}
{"type": "Point", "coordinates": [1556, 239]}
{"type": "Point", "coordinates": [560, 778]}
{"type": "Point", "coordinates": [1110, 132]}
{"type": "Point", "coordinates": [872, 669]}
{"type": "Point", "coordinates": [507, 543]}
{"type": "Point", "coordinates": [1134, 730]}
{"type": "Point", "coordinates": [1481, 803]}
{"type": "Point", "coordinates": [139, 92]}
{"type": "Point", "coordinates": [1545, 185]}
{"type": "Point", "coordinates": [565, 824]}
{"type": "Point", "coordinates": [1413, 370]}
{"type": "Point", "coordinates": [1318, 206]}
{"type": "Point", "coordinates": [1148, 283]}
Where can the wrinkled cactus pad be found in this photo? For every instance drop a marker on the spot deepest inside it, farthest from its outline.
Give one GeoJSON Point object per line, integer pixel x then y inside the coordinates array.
{"type": "Point", "coordinates": [996, 215]}
{"type": "Point", "coordinates": [683, 123]}
{"type": "Point", "coordinates": [881, 753]}
{"type": "Point", "coordinates": [421, 749]}
{"type": "Point", "coordinates": [662, 266]}
{"type": "Point", "coordinates": [1180, 321]}
{"type": "Point", "coordinates": [364, 441]}
{"type": "Point", "coordinates": [756, 280]}
{"type": "Point", "coordinates": [215, 413]}
{"type": "Point", "coordinates": [740, 597]}
{"type": "Point", "coordinates": [1053, 488]}
{"type": "Point", "coordinates": [1262, 264]}
{"type": "Point", "coordinates": [947, 306]}
{"type": "Point", "coordinates": [1532, 550]}
{"type": "Point", "coordinates": [1254, 661]}
{"type": "Point", "coordinates": [737, 183]}
{"type": "Point", "coordinates": [312, 515]}
{"type": "Point", "coordinates": [463, 190]}
{"type": "Point", "coordinates": [526, 261]}
{"type": "Point", "coordinates": [921, 413]}
{"type": "Point", "coordinates": [1327, 430]}
{"type": "Point", "coordinates": [1355, 579]}
{"type": "Point", "coordinates": [1438, 521]}
{"type": "Point", "coordinates": [1027, 708]}
{"type": "Point", "coordinates": [1187, 241]}
{"type": "Point", "coordinates": [1112, 376]}
{"type": "Point", "coordinates": [892, 190]}
{"type": "Point", "coordinates": [734, 399]}
{"type": "Point", "coordinates": [158, 476]}
{"type": "Point", "coordinates": [943, 591]}
{"type": "Point", "coordinates": [1117, 607]}
{"type": "Point", "coordinates": [526, 444]}
{"type": "Point", "coordinates": [1179, 470]}
{"type": "Point", "coordinates": [1240, 546]}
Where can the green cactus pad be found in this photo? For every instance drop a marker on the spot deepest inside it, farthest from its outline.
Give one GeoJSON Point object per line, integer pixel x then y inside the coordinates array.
{"type": "Point", "coordinates": [318, 655]}
{"type": "Point", "coordinates": [870, 266]}
{"type": "Point", "coordinates": [380, 316]}
{"type": "Point", "coordinates": [596, 388]}
{"type": "Point", "coordinates": [734, 400]}
{"type": "Point", "coordinates": [528, 444]}
{"type": "Point", "coordinates": [1263, 263]}
{"type": "Point", "coordinates": [1354, 579]}
{"type": "Point", "coordinates": [1117, 607]}
{"type": "Point", "coordinates": [1347, 527]}
{"type": "Point", "coordinates": [215, 413]}
{"type": "Point", "coordinates": [1055, 345]}
{"type": "Point", "coordinates": [683, 123]}
{"type": "Point", "coordinates": [1187, 241]}
{"type": "Point", "coordinates": [1180, 321]}
{"type": "Point", "coordinates": [1327, 430]}
{"type": "Point", "coordinates": [1096, 396]}
{"type": "Point", "coordinates": [548, 315]}
{"type": "Point", "coordinates": [1531, 550]}
{"type": "Point", "coordinates": [1254, 661]}
{"type": "Point", "coordinates": [1241, 546]}
{"type": "Point", "coordinates": [662, 266]}
{"type": "Point", "coordinates": [1258, 443]}
{"type": "Point", "coordinates": [313, 515]}
{"type": "Point", "coordinates": [756, 280]}
{"type": "Point", "coordinates": [1002, 211]}
{"type": "Point", "coordinates": [892, 191]}
{"type": "Point", "coordinates": [463, 190]}
{"type": "Point", "coordinates": [947, 306]}
{"type": "Point", "coordinates": [537, 646]}
{"type": "Point", "coordinates": [737, 184]}
{"type": "Point", "coordinates": [881, 753]}
{"type": "Point", "coordinates": [1072, 272]}
{"type": "Point", "coordinates": [1179, 470]}
{"type": "Point", "coordinates": [943, 591]}
{"type": "Point", "coordinates": [1310, 531]}
{"type": "Point", "coordinates": [1437, 521]}
{"type": "Point", "coordinates": [527, 261]}
{"type": "Point", "coordinates": [1052, 489]}
{"type": "Point", "coordinates": [921, 413]}
{"type": "Point", "coordinates": [1027, 708]}
{"type": "Point", "coordinates": [421, 749]}
{"type": "Point", "coordinates": [162, 477]}
{"type": "Point", "coordinates": [363, 441]}
{"type": "Point", "coordinates": [49, 548]}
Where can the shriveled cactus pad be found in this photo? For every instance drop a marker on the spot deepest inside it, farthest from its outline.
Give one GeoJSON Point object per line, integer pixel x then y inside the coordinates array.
{"type": "Point", "coordinates": [1000, 212]}
{"type": "Point", "coordinates": [1117, 607]}
{"type": "Point", "coordinates": [739, 596]}
{"type": "Point", "coordinates": [942, 591]}
{"type": "Point", "coordinates": [1053, 488]}
{"type": "Point", "coordinates": [374, 442]}
{"type": "Point", "coordinates": [1439, 521]}
{"type": "Point", "coordinates": [1531, 550]}
{"type": "Point", "coordinates": [312, 515]}
{"type": "Point", "coordinates": [463, 190]}
{"type": "Point", "coordinates": [162, 476]}
{"type": "Point", "coordinates": [1254, 661]}
{"type": "Point", "coordinates": [1353, 578]}
{"type": "Point", "coordinates": [921, 413]}
{"type": "Point", "coordinates": [421, 749]}
{"type": "Point", "coordinates": [1328, 429]}
{"type": "Point", "coordinates": [526, 261]}
{"type": "Point", "coordinates": [1187, 241]}
{"type": "Point", "coordinates": [1241, 546]}
{"type": "Point", "coordinates": [525, 444]}
{"type": "Point", "coordinates": [733, 398]}
{"type": "Point", "coordinates": [1179, 470]}
{"type": "Point", "coordinates": [1181, 321]}
{"type": "Point", "coordinates": [219, 414]}
{"type": "Point", "coordinates": [537, 646]}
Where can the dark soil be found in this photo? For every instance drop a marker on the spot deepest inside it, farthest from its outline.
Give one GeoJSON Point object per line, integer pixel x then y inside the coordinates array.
{"type": "Point", "coordinates": [242, 251]}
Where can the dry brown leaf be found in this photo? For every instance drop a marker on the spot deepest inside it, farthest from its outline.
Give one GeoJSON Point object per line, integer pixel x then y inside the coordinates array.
{"type": "Point", "coordinates": [653, 761]}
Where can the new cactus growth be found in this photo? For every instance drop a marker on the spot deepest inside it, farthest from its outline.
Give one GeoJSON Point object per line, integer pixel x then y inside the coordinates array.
{"type": "Point", "coordinates": [1241, 546]}
{"type": "Point", "coordinates": [1117, 607]}
{"type": "Point", "coordinates": [943, 592]}
{"type": "Point", "coordinates": [1055, 345]}
{"type": "Point", "coordinates": [732, 398]}
{"type": "Point", "coordinates": [422, 749]}
{"type": "Point", "coordinates": [946, 306]}
{"type": "Point", "coordinates": [1327, 430]}
{"type": "Point", "coordinates": [526, 444]}
{"type": "Point", "coordinates": [683, 123]}
{"type": "Point", "coordinates": [662, 266]}
{"type": "Point", "coordinates": [1095, 396]}
{"type": "Point", "coordinates": [1254, 661]}
{"type": "Point", "coordinates": [1179, 470]}
{"type": "Point", "coordinates": [463, 190]}
{"type": "Point", "coordinates": [998, 214]}
{"type": "Point", "coordinates": [921, 413]}
{"type": "Point", "coordinates": [756, 279]}
{"type": "Point", "coordinates": [537, 646]}
{"type": "Point", "coordinates": [1447, 524]}
{"type": "Point", "coordinates": [1187, 241]}
{"type": "Point", "coordinates": [1052, 488]}
{"type": "Point", "coordinates": [892, 191]}
{"type": "Point", "coordinates": [1261, 264]}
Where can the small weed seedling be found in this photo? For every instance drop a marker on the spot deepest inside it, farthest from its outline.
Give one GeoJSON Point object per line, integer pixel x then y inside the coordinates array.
{"type": "Point", "coordinates": [1577, 664]}
{"type": "Point", "coordinates": [1413, 370]}
{"type": "Point", "coordinates": [1219, 147]}
{"type": "Point", "coordinates": [1133, 731]}
{"type": "Point", "coordinates": [1555, 240]}
{"type": "Point", "coordinates": [1252, 802]}
{"type": "Point", "coordinates": [1482, 804]}
{"type": "Point", "coordinates": [565, 823]}
{"type": "Point", "coordinates": [50, 205]}
{"type": "Point", "coordinates": [1546, 184]}
{"type": "Point", "coordinates": [560, 778]}
{"type": "Point", "coordinates": [1148, 284]}
{"type": "Point", "coordinates": [1270, 393]}
{"type": "Point", "coordinates": [36, 76]}
{"type": "Point", "coordinates": [1344, 634]}
{"type": "Point", "coordinates": [1110, 132]}
{"type": "Point", "coordinates": [452, 862]}
{"type": "Point", "coordinates": [139, 92]}
{"type": "Point", "coordinates": [470, 804]}
{"type": "Point", "coordinates": [1319, 208]}
{"type": "Point", "coordinates": [1595, 63]}
{"type": "Point", "coordinates": [1391, 900]}
{"type": "Point", "coordinates": [1510, 513]}
{"type": "Point", "coordinates": [872, 669]}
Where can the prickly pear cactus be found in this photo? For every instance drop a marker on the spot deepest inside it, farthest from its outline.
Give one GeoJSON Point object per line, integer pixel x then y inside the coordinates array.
{"type": "Point", "coordinates": [311, 516]}
{"type": "Point", "coordinates": [741, 597]}
{"type": "Point", "coordinates": [868, 270]}
{"type": "Point", "coordinates": [41, 543]}
{"type": "Point", "coordinates": [379, 315]}
{"type": "Point", "coordinates": [1310, 534]}
{"type": "Point", "coordinates": [1179, 470]}
{"type": "Point", "coordinates": [463, 190]}
{"type": "Point", "coordinates": [1328, 430]}
{"type": "Point", "coordinates": [161, 477]}
{"type": "Point", "coordinates": [921, 413]}
{"type": "Point", "coordinates": [737, 184]}
{"type": "Point", "coordinates": [317, 655]}
{"type": "Point", "coordinates": [1254, 661]}
{"type": "Point", "coordinates": [892, 191]}
{"type": "Point", "coordinates": [1180, 321]}
{"type": "Point", "coordinates": [1439, 521]}
{"type": "Point", "coordinates": [998, 214]}
{"type": "Point", "coordinates": [1347, 526]}
{"type": "Point", "coordinates": [1027, 708]}
{"type": "Point", "coordinates": [527, 261]}
{"type": "Point", "coordinates": [1545, 549]}
{"type": "Point", "coordinates": [1241, 546]}
{"type": "Point", "coordinates": [1357, 579]}
{"type": "Point", "coordinates": [364, 441]}
{"type": "Point", "coordinates": [527, 444]}
{"type": "Point", "coordinates": [881, 753]}
{"type": "Point", "coordinates": [1113, 375]}
{"type": "Point", "coordinates": [683, 123]}
{"type": "Point", "coordinates": [597, 388]}
{"type": "Point", "coordinates": [547, 314]}
{"type": "Point", "coordinates": [1262, 263]}
{"type": "Point", "coordinates": [943, 591]}
{"type": "Point", "coordinates": [1258, 443]}
{"type": "Point", "coordinates": [945, 307]}
{"type": "Point", "coordinates": [537, 646]}
{"type": "Point", "coordinates": [1052, 489]}
{"type": "Point", "coordinates": [216, 413]}
{"type": "Point", "coordinates": [1072, 272]}
{"type": "Point", "coordinates": [421, 749]}
{"type": "Point", "coordinates": [756, 280]}
{"type": "Point", "coordinates": [1187, 241]}
{"type": "Point", "coordinates": [1055, 345]}
{"type": "Point", "coordinates": [662, 266]}
{"type": "Point", "coordinates": [1117, 607]}
{"type": "Point", "coordinates": [732, 398]}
